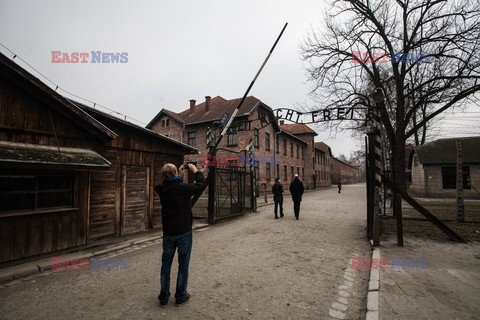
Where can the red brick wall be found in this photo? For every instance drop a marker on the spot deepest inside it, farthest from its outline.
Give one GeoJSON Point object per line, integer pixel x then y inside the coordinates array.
{"type": "Point", "coordinates": [322, 169]}
{"type": "Point", "coordinates": [173, 130]}
{"type": "Point", "coordinates": [314, 164]}
{"type": "Point", "coordinates": [290, 160]}
{"type": "Point", "coordinates": [345, 172]}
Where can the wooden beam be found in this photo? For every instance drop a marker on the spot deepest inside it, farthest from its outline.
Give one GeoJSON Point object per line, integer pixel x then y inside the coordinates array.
{"type": "Point", "coordinates": [449, 232]}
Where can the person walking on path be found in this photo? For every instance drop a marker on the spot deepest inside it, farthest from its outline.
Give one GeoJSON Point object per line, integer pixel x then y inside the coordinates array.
{"type": "Point", "coordinates": [175, 197]}
{"type": "Point", "coordinates": [296, 190]}
{"type": "Point", "coordinates": [339, 185]}
{"type": "Point", "coordinates": [277, 191]}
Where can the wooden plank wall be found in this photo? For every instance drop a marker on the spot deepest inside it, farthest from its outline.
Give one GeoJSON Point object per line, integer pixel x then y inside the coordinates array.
{"type": "Point", "coordinates": [135, 199]}
{"type": "Point", "coordinates": [103, 199]}
{"type": "Point", "coordinates": [25, 119]}
{"type": "Point", "coordinates": [30, 235]}
{"type": "Point", "coordinates": [23, 234]}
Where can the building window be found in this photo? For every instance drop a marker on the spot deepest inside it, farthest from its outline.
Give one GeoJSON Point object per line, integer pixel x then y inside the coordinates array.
{"type": "Point", "coordinates": [267, 141]}
{"type": "Point", "coordinates": [303, 153]}
{"type": "Point", "coordinates": [291, 170]}
{"type": "Point", "coordinates": [291, 149]}
{"type": "Point", "coordinates": [285, 173]}
{"type": "Point", "coordinates": [267, 168]}
{"type": "Point", "coordinates": [255, 138]}
{"type": "Point", "coordinates": [191, 139]}
{"type": "Point", "coordinates": [303, 173]}
{"type": "Point", "coordinates": [298, 154]}
{"type": "Point", "coordinates": [165, 122]}
{"type": "Point", "coordinates": [232, 139]}
{"type": "Point", "coordinates": [257, 170]}
{"type": "Point", "coordinates": [284, 147]}
{"type": "Point", "coordinates": [277, 174]}
{"type": "Point", "coordinates": [277, 144]}
{"type": "Point", "coordinates": [30, 192]}
{"type": "Point", "coordinates": [298, 171]}
{"type": "Point", "coordinates": [449, 177]}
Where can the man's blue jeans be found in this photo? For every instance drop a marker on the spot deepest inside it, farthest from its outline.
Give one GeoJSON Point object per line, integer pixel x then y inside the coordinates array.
{"type": "Point", "coordinates": [170, 244]}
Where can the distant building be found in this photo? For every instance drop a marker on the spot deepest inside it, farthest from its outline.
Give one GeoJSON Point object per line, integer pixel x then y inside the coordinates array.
{"type": "Point", "coordinates": [348, 173]}
{"type": "Point", "coordinates": [323, 165]}
{"type": "Point", "coordinates": [253, 121]}
{"type": "Point", "coordinates": [433, 167]}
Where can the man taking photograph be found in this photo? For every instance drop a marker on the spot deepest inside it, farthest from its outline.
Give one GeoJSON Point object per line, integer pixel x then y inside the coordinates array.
{"type": "Point", "coordinates": [175, 197]}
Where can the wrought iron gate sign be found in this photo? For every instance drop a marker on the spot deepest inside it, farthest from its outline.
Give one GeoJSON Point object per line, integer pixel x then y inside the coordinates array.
{"type": "Point", "coordinates": [322, 115]}
{"type": "Point", "coordinates": [328, 114]}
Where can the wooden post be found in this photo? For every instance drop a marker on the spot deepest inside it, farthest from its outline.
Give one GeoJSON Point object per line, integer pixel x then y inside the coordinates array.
{"type": "Point", "coordinates": [376, 218]}
{"type": "Point", "coordinates": [404, 195]}
{"type": "Point", "coordinates": [370, 182]}
{"type": "Point", "coordinates": [460, 204]}
{"type": "Point", "coordinates": [265, 192]}
{"type": "Point", "coordinates": [211, 192]}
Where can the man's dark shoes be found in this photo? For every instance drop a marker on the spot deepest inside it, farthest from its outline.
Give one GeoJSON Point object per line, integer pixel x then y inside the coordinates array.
{"type": "Point", "coordinates": [281, 215]}
{"type": "Point", "coordinates": [179, 302]}
{"type": "Point", "coordinates": [276, 217]}
{"type": "Point", "coordinates": [163, 303]}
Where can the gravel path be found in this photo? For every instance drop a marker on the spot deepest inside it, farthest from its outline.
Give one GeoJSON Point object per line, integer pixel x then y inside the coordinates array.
{"type": "Point", "coordinates": [253, 267]}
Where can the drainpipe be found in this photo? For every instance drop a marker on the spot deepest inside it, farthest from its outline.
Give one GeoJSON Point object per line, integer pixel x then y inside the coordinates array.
{"type": "Point", "coordinates": [275, 138]}
{"type": "Point", "coordinates": [181, 133]}
{"type": "Point", "coordinates": [305, 162]}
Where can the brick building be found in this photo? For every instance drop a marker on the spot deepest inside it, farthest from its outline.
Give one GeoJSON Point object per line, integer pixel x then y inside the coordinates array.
{"type": "Point", "coordinates": [323, 156]}
{"type": "Point", "coordinates": [347, 172]}
{"type": "Point", "coordinates": [292, 144]}
{"type": "Point", "coordinates": [254, 120]}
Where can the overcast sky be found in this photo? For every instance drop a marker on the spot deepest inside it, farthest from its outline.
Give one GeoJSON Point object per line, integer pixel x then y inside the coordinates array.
{"type": "Point", "coordinates": [177, 51]}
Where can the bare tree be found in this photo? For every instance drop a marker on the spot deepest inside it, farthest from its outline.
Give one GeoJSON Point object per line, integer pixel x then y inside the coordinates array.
{"type": "Point", "coordinates": [423, 54]}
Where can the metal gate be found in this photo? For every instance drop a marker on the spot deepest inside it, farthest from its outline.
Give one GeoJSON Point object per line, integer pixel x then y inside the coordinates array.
{"type": "Point", "coordinates": [229, 187]}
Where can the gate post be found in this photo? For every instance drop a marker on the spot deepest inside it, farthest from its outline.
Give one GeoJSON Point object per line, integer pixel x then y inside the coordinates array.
{"type": "Point", "coordinates": [374, 159]}
{"type": "Point", "coordinates": [211, 191]}
{"type": "Point", "coordinates": [370, 182]}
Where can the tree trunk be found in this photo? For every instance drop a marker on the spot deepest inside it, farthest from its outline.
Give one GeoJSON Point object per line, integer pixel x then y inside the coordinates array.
{"type": "Point", "coordinates": [399, 175]}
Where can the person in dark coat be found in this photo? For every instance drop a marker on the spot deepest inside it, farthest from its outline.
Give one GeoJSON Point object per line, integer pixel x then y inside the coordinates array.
{"type": "Point", "coordinates": [296, 190]}
{"type": "Point", "coordinates": [175, 198]}
{"type": "Point", "coordinates": [339, 185]}
{"type": "Point", "coordinates": [277, 191]}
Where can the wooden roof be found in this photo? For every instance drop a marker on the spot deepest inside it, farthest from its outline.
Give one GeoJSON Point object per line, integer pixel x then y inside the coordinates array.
{"type": "Point", "coordinates": [37, 88]}
{"type": "Point", "coordinates": [13, 152]}
{"type": "Point", "coordinates": [97, 114]}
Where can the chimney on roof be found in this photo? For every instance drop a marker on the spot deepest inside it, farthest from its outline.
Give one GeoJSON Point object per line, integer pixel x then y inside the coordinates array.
{"type": "Point", "coordinates": [192, 104]}
{"type": "Point", "coordinates": [282, 122]}
{"type": "Point", "coordinates": [207, 103]}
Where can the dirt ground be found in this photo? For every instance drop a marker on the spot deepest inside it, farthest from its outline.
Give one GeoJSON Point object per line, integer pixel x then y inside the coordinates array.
{"type": "Point", "coordinates": [253, 267]}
